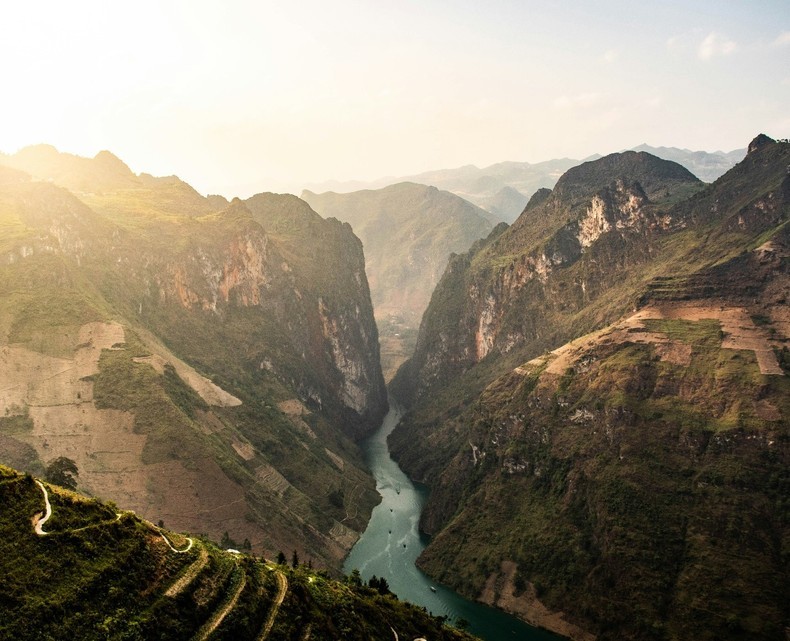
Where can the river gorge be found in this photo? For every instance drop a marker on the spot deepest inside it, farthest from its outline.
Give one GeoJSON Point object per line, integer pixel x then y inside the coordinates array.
{"type": "Point", "coordinates": [392, 542]}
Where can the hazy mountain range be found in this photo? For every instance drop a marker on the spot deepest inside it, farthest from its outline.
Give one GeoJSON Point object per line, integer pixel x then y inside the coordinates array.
{"type": "Point", "coordinates": [503, 189]}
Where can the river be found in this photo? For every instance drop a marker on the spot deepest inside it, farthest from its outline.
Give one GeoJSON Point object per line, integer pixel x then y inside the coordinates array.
{"type": "Point", "coordinates": [392, 542]}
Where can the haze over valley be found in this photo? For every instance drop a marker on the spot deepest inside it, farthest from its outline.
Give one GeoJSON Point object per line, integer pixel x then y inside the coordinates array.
{"type": "Point", "coordinates": [426, 321]}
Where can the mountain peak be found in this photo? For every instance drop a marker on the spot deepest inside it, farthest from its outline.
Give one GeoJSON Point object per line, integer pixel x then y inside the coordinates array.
{"type": "Point", "coordinates": [538, 197]}
{"type": "Point", "coordinates": [760, 141]}
{"type": "Point", "coordinates": [653, 174]}
{"type": "Point", "coordinates": [108, 159]}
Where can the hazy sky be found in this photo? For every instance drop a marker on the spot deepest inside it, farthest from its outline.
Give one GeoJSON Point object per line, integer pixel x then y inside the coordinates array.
{"type": "Point", "coordinates": [237, 97]}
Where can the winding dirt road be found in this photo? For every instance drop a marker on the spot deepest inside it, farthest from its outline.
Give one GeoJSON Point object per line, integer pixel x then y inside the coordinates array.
{"type": "Point", "coordinates": [38, 521]}
{"type": "Point", "coordinates": [282, 589]}
{"type": "Point", "coordinates": [170, 545]}
{"type": "Point", "coordinates": [217, 618]}
{"type": "Point", "coordinates": [189, 575]}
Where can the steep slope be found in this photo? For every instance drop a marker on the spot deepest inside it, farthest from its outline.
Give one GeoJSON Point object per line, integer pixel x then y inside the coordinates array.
{"type": "Point", "coordinates": [76, 568]}
{"type": "Point", "coordinates": [536, 283]}
{"type": "Point", "coordinates": [408, 232]}
{"type": "Point", "coordinates": [113, 319]}
{"type": "Point", "coordinates": [634, 478]}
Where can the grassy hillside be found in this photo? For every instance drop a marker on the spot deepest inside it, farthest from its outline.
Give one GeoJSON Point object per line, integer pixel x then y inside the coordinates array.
{"type": "Point", "coordinates": [636, 479]}
{"type": "Point", "coordinates": [623, 477]}
{"type": "Point", "coordinates": [100, 573]}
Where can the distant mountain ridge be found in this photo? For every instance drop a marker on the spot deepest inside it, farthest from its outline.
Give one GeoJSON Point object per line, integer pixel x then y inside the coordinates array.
{"type": "Point", "coordinates": [504, 188]}
{"type": "Point", "coordinates": [707, 166]}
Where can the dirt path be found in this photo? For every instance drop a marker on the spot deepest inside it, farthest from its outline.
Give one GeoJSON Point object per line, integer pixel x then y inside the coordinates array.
{"type": "Point", "coordinates": [189, 575]}
{"type": "Point", "coordinates": [170, 545]}
{"type": "Point", "coordinates": [38, 521]}
{"type": "Point", "coordinates": [350, 502]}
{"type": "Point", "coordinates": [219, 616]}
{"type": "Point", "coordinates": [282, 589]}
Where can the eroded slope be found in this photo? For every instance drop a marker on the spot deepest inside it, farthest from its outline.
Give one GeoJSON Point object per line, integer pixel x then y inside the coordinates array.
{"type": "Point", "coordinates": [114, 317]}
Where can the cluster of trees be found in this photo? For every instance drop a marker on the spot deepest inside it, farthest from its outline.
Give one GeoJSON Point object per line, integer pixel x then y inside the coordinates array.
{"type": "Point", "coordinates": [62, 471]}
{"type": "Point", "coordinates": [380, 585]}
{"type": "Point", "coordinates": [282, 560]}
{"type": "Point", "coordinates": [228, 543]}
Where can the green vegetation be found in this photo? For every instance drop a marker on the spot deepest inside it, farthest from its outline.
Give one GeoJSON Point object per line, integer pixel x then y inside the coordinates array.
{"type": "Point", "coordinates": [638, 487]}
{"type": "Point", "coordinates": [62, 471]}
{"type": "Point", "coordinates": [97, 576]}
{"type": "Point", "coordinates": [264, 297]}
{"type": "Point", "coordinates": [633, 498]}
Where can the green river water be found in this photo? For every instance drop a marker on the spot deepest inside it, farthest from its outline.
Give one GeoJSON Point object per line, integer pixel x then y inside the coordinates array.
{"type": "Point", "coordinates": [392, 542]}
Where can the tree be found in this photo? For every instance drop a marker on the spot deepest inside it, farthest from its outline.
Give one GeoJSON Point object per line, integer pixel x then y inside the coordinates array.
{"type": "Point", "coordinates": [281, 560]}
{"type": "Point", "coordinates": [383, 586]}
{"type": "Point", "coordinates": [337, 498]}
{"type": "Point", "coordinates": [355, 578]}
{"type": "Point", "coordinates": [62, 471]}
{"type": "Point", "coordinates": [379, 584]}
{"type": "Point", "coordinates": [227, 542]}
{"type": "Point", "coordinates": [295, 559]}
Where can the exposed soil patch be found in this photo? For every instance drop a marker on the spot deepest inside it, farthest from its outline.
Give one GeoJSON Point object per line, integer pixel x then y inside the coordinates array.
{"type": "Point", "coordinates": [345, 536]}
{"type": "Point", "coordinates": [244, 450]}
{"type": "Point", "coordinates": [295, 410]}
{"type": "Point", "coordinates": [738, 330]}
{"type": "Point", "coordinates": [208, 391]}
{"type": "Point", "coordinates": [272, 480]}
{"type": "Point", "coordinates": [339, 462]}
{"type": "Point", "coordinates": [500, 590]}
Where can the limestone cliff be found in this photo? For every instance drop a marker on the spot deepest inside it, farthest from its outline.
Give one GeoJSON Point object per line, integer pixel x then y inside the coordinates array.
{"type": "Point", "coordinates": [242, 362]}
{"type": "Point", "coordinates": [556, 259]}
{"type": "Point", "coordinates": [408, 231]}
{"type": "Point", "coordinates": [621, 477]}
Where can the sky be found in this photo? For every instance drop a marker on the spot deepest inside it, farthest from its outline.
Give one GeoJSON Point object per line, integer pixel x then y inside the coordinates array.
{"type": "Point", "coordinates": [243, 96]}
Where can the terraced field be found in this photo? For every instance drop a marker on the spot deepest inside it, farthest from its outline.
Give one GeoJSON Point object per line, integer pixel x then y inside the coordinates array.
{"type": "Point", "coordinates": [84, 569]}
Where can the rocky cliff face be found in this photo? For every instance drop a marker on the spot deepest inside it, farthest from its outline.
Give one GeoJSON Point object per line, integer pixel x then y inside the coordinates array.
{"type": "Point", "coordinates": [317, 299]}
{"type": "Point", "coordinates": [555, 260]}
{"type": "Point", "coordinates": [244, 354]}
{"type": "Point", "coordinates": [616, 478]}
{"type": "Point", "coordinates": [408, 231]}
